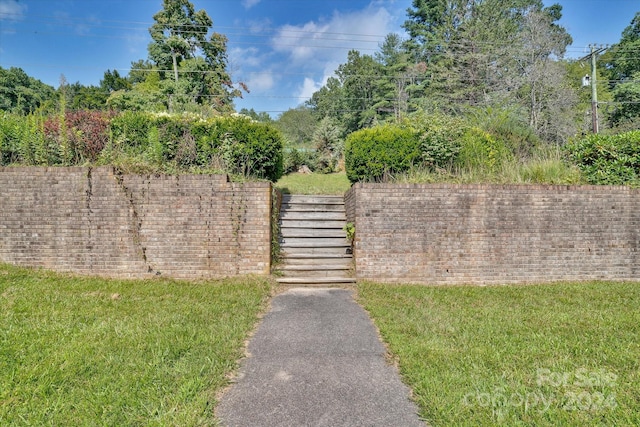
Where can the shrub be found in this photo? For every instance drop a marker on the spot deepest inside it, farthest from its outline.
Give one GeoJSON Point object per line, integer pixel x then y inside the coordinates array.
{"type": "Point", "coordinates": [329, 146]}
{"type": "Point", "coordinates": [131, 129]}
{"type": "Point", "coordinates": [79, 135]}
{"type": "Point", "coordinates": [12, 129]}
{"type": "Point", "coordinates": [144, 141]}
{"type": "Point", "coordinates": [370, 154]}
{"type": "Point", "coordinates": [250, 148]}
{"type": "Point", "coordinates": [439, 139]}
{"type": "Point", "coordinates": [480, 151]}
{"type": "Point", "coordinates": [295, 158]}
{"type": "Point", "coordinates": [608, 159]}
{"type": "Point", "coordinates": [508, 126]}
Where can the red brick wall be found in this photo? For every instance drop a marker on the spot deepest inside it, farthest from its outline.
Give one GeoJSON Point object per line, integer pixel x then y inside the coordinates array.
{"type": "Point", "coordinates": [457, 234]}
{"type": "Point", "coordinates": [96, 221]}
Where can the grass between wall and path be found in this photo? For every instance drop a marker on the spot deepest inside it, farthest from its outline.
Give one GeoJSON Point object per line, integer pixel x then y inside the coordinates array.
{"type": "Point", "coordinates": [89, 351]}
{"type": "Point", "coordinates": [314, 183]}
{"type": "Point", "coordinates": [539, 355]}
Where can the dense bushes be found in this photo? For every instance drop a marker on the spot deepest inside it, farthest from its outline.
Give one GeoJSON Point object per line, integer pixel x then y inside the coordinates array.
{"type": "Point", "coordinates": [236, 145]}
{"type": "Point", "coordinates": [440, 137]}
{"type": "Point", "coordinates": [481, 151]}
{"type": "Point", "coordinates": [370, 154]}
{"type": "Point", "coordinates": [426, 141]}
{"type": "Point", "coordinates": [608, 159]}
{"type": "Point", "coordinates": [144, 141]}
{"type": "Point", "coordinates": [296, 158]}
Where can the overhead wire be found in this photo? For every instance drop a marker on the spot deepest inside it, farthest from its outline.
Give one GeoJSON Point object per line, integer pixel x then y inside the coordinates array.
{"type": "Point", "coordinates": [271, 33]}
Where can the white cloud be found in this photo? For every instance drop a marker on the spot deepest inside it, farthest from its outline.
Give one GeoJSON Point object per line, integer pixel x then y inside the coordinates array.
{"type": "Point", "coordinates": [260, 82]}
{"type": "Point", "coordinates": [260, 26]}
{"type": "Point", "coordinates": [320, 42]}
{"type": "Point", "coordinates": [249, 57]}
{"type": "Point", "coordinates": [308, 88]}
{"type": "Point", "coordinates": [248, 4]}
{"type": "Point", "coordinates": [12, 10]}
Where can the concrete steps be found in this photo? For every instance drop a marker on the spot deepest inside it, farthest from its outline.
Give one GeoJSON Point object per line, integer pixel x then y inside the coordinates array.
{"type": "Point", "coordinates": [313, 244]}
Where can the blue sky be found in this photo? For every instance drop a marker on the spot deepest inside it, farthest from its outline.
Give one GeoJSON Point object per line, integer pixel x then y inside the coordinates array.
{"type": "Point", "coordinates": [283, 50]}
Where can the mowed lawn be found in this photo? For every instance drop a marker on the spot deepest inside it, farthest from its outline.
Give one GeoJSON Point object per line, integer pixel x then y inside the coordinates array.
{"type": "Point", "coordinates": [315, 183]}
{"type": "Point", "coordinates": [539, 355]}
{"type": "Point", "coordinates": [86, 351]}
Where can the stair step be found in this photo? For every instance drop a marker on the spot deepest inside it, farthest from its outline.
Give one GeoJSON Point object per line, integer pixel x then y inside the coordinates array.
{"type": "Point", "coordinates": [314, 242]}
{"type": "Point", "coordinates": [343, 270]}
{"type": "Point", "coordinates": [312, 215]}
{"type": "Point", "coordinates": [312, 207]}
{"type": "Point", "coordinates": [330, 200]}
{"type": "Point", "coordinates": [311, 232]}
{"type": "Point", "coordinates": [298, 252]}
{"type": "Point", "coordinates": [315, 274]}
{"type": "Point", "coordinates": [315, 281]}
{"type": "Point", "coordinates": [319, 258]}
{"type": "Point", "coordinates": [319, 223]}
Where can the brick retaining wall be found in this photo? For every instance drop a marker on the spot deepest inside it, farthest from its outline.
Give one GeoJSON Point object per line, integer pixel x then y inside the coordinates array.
{"type": "Point", "coordinates": [96, 221]}
{"type": "Point", "coordinates": [456, 234]}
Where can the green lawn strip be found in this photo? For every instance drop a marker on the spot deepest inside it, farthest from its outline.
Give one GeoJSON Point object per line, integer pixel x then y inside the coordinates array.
{"type": "Point", "coordinates": [314, 183]}
{"type": "Point", "coordinates": [88, 351]}
{"type": "Point", "coordinates": [562, 354]}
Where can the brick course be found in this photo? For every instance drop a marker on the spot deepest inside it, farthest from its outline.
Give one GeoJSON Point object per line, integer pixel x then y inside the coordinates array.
{"type": "Point", "coordinates": [489, 234]}
{"type": "Point", "coordinates": [97, 221]}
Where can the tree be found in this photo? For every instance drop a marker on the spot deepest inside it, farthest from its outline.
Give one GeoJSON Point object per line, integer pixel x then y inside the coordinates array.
{"type": "Point", "coordinates": [626, 96]}
{"type": "Point", "coordinates": [329, 100]}
{"type": "Point", "coordinates": [501, 53]}
{"type": "Point", "coordinates": [350, 98]}
{"type": "Point", "coordinates": [298, 126]}
{"type": "Point", "coordinates": [179, 34]}
{"type": "Point", "coordinates": [624, 60]}
{"type": "Point", "coordinates": [81, 97]}
{"type": "Point", "coordinates": [543, 87]}
{"type": "Point", "coordinates": [144, 96]}
{"type": "Point", "coordinates": [623, 65]}
{"type": "Point", "coordinates": [113, 81]}
{"type": "Point", "coordinates": [262, 116]}
{"type": "Point", "coordinates": [20, 93]}
{"type": "Point", "coordinates": [402, 80]}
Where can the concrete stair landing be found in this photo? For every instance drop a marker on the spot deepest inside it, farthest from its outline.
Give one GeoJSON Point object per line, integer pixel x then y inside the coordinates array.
{"type": "Point", "coordinates": [313, 244]}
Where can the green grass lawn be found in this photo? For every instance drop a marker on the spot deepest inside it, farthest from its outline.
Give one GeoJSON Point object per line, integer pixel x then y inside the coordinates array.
{"type": "Point", "coordinates": [86, 351]}
{"type": "Point", "coordinates": [315, 183]}
{"type": "Point", "coordinates": [545, 355]}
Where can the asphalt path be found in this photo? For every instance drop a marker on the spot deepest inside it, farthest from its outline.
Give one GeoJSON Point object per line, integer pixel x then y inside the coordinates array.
{"type": "Point", "coordinates": [316, 360]}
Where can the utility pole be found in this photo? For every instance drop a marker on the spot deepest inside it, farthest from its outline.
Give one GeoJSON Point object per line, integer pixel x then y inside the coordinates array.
{"type": "Point", "coordinates": [593, 81]}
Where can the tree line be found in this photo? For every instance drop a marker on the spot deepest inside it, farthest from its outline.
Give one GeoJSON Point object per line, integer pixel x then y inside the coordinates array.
{"type": "Point", "coordinates": [464, 58]}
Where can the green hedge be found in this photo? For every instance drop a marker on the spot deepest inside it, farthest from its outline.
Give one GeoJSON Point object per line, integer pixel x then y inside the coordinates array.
{"type": "Point", "coordinates": [235, 143]}
{"type": "Point", "coordinates": [481, 151]}
{"type": "Point", "coordinates": [370, 154]}
{"type": "Point", "coordinates": [608, 159]}
{"type": "Point", "coordinates": [431, 141]}
{"type": "Point", "coordinates": [144, 141]}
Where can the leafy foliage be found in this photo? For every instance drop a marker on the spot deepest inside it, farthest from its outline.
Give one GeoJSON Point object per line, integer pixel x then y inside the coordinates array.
{"type": "Point", "coordinates": [627, 97]}
{"type": "Point", "coordinates": [370, 154]}
{"type": "Point", "coordinates": [328, 144]}
{"type": "Point", "coordinates": [249, 148]}
{"type": "Point", "coordinates": [20, 93]}
{"type": "Point", "coordinates": [481, 151]}
{"type": "Point", "coordinates": [439, 137]}
{"type": "Point", "coordinates": [295, 158]}
{"type": "Point", "coordinates": [608, 159]}
{"type": "Point", "coordinates": [236, 145]}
